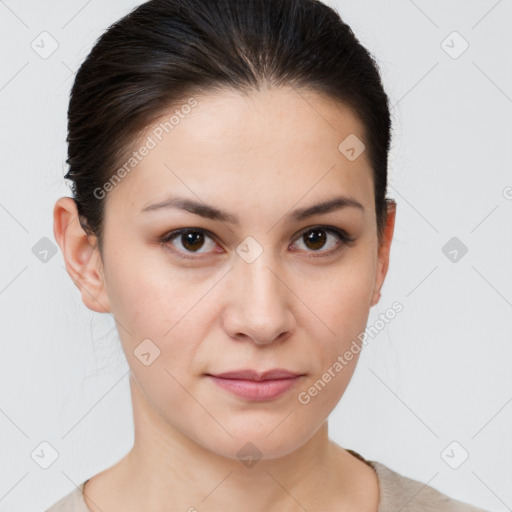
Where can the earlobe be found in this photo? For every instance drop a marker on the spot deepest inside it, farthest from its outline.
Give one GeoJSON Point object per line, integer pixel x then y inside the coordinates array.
{"type": "Point", "coordinates": [384, 250]}
{"type": "Point", "coordinates": [81, 255]}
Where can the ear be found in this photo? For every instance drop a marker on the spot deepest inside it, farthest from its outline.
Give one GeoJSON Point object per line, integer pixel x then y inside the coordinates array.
{"type": "Point", "coordinates": [81, 255]}
{"type": "Point", "coordinates": [384, 249]}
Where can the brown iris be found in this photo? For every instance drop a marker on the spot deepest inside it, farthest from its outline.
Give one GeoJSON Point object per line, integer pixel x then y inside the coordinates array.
{"type": "Point", "coordinates": [316, 237]}
{"type": "Point", "coordinates": [192, 240]}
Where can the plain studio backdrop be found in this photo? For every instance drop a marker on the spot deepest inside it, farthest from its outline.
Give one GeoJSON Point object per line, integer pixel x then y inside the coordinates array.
{"type": "Point", "coordinates": [432, 394]}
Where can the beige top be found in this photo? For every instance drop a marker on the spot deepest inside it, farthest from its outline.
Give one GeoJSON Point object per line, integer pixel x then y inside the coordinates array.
{"type": "Point", "coordinates": [397, 492]}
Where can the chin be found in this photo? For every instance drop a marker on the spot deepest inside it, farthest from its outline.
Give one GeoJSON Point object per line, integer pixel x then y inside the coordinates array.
{"type": "Point", "coordinates": [252, 443]}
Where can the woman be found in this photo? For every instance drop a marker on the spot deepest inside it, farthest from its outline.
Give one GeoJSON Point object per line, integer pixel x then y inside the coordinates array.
{"type": "Point", "coordinates": [229, 170]}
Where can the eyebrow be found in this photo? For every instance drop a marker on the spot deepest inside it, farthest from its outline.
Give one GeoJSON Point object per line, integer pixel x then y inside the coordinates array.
{"type": "Point", "coordinates": [211, 212]}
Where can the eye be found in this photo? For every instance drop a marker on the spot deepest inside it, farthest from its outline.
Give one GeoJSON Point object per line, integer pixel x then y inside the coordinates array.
{"type": "Point", "coordinates": [190, 239]}
{"type": "Point", "coordinates": [316, 238]}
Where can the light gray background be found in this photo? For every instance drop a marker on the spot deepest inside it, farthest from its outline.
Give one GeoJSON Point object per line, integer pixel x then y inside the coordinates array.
{"type": "Point", "coordinates": [440, 372]}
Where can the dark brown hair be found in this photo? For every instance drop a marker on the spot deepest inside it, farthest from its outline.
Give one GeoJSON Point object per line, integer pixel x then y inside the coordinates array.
{"type": "Point", "coordinates": [166, 50]}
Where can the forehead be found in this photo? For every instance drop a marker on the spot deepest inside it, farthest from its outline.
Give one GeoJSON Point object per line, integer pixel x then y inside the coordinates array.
{"type": "Point", "coordinates": [280, 142]}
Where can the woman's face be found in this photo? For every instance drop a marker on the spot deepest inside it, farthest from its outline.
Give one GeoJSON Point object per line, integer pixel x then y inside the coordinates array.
{"type": "Point", "coordinates": [260, 286]}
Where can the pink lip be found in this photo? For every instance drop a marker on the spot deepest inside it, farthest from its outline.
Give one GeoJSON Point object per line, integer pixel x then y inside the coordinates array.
{"type": "Point", "coordinates": [276, 373]}
{"type": "Point", "coordinates": [257, 386]}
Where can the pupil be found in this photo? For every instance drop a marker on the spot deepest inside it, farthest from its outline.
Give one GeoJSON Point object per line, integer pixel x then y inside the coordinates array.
{"type": "Point", "coordinates": [318, 241]}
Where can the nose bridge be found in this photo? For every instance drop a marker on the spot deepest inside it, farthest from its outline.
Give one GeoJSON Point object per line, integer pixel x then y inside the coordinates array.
{"type": "Point", "coordinates": [260, 302]}
{"type": "Point", "coordinates": [253, 268]}
{"type": "Point", "coordinates": [259, 282]}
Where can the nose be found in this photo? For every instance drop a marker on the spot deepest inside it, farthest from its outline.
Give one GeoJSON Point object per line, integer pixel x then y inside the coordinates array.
{"type": "Point", "coordinates": [258, 307]}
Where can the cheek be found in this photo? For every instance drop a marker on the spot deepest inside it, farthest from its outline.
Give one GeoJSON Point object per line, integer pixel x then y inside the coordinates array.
{"type": "Point", "coordinates": [320, 394]}
{"type": "Point", "coordinates": [149, 302]}
{"type": "Point", "coordinates": [343, 306]}
{"type": "Point", "coordinates": [343, 296]}
{"type": "Point", "coordinates": [142, 292]}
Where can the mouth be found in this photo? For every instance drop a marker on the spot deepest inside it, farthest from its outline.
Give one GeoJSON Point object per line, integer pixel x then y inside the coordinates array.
{"type": "Point", "coordinates": [257, 386]}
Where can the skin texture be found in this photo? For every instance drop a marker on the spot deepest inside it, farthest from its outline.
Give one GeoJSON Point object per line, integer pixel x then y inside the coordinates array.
{"type": "Point", "coordinates": [257, 157]}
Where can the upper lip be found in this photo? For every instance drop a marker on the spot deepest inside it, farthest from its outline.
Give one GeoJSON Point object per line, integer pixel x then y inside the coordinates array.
{"type": "Point", "coordinates": [277, 373]}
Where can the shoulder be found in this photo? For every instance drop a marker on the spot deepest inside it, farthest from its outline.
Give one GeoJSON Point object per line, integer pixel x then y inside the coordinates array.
{"type": "Point", "coordinates": [398, 492]}
{"type": "Point", "coordinates": [72, 502]}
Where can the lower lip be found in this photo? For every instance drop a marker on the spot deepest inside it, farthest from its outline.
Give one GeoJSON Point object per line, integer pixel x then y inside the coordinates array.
{"type": "Point", "coordinates": [256, 390]}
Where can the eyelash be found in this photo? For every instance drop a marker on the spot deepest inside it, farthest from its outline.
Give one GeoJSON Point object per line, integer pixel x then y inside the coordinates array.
{"type": "Point", "coordinates": [345, 240]}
